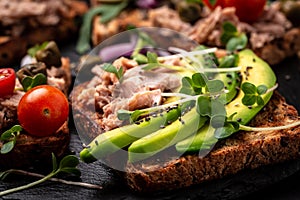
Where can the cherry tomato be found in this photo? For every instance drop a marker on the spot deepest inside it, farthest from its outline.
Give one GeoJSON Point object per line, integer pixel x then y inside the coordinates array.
{"type": "Point", "coordinates": [7, 81]}
{"type": "Point", "coordinates": [43, 110]}
{"type": "Point", "coordinates": [247, 11]}
{"type": "Point", "coordinates": [212, 4]}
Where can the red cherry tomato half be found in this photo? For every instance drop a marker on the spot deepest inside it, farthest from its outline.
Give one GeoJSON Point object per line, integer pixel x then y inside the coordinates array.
{"type": "Point", "coordinates": [7, 81]}
{"type": "Point", "coordinates": [43, 110]}
{"type": "Point", "coordinates": [247, 11]}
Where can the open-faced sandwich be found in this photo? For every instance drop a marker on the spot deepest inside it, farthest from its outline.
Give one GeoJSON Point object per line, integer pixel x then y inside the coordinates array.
{"type": "Point", "coordinates": [272, 29]}
{"type": "Point", "coordinates": [34, 109]}
{"type": "Point", "coordinates": [172, 121]}
{"type": "Point", "coordinates": [24, 23]}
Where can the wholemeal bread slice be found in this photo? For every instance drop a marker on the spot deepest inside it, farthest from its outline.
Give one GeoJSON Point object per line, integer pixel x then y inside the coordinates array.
{"type": "Point", "coordinates": [30, 150]}
{"type": "Point", "coordinates": [243, 150]}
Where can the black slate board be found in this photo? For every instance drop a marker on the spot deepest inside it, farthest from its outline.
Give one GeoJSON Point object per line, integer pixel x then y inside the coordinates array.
{"type": "Point", "coordinates": [279, 181]}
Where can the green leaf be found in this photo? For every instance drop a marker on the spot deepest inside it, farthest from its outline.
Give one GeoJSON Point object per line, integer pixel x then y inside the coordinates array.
{"type": "Point", "coordinates": [229, 27]}
{"type": "Point", "coordinates": [54, 162]}
{"type": "Point", "coordinates": [112, 69]}
{"type": "Point", "coordinates": [217, 121]}
{"type": "Point", "coordinates": [68, 161]}
{"type": "Point", "coordinates": [31, 82]}
{"type": "Point", "coordinates": [217, 107]}
{"type": "Point", "coordinates": [187, 86]}
{"type": "Point", "coordinates": [214, 85]}
{"type": "Point", "coordinates": [204, 106]}
{"type": "Point", "coordinates": [249, 99]}
{"type": "Point", "coordinates": [237, 43]}
{"type": "Point", "coordinates": [33, 50]}
{"type": "Point", "coordinates": [124, 114]}
{"type": "Point", "coordinates": [225, 37]}
{"type": "Point", "coordinates": [151, 66]}
{"type": "Point", "coordinates": [260, 101]}
{"type": "Point", "coordinates": [71, 170]}
{"type": "Point", "coordinates": [7, 135]}
{"type": "Point", "coordinates": [228, 31]}
{"type": "Point", "coordinates": [199, 80]}
{"type": "Point", "coordinates": [229, 61]}
{"type": "Point", "coordinates": [7, 147]}
{"type": "Point", "coordinates": [249, 88]}
{"type": "Point", "coordinates": [262, 89]}
{"type": "Point", "coordinates": [107, 12]}
{"type": "Point", "coordinates": [228, 129]}
{"type": "Point", "coordinates": [152, 57]}
{"type": "Point", "coordinates": [140, 59]}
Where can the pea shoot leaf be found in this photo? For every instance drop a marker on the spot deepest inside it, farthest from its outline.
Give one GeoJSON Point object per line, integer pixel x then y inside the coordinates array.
{"type": "Point", "coordinates": [237, 43]}
{"type": "Point", "coordinates": [253, 94]}
{"type": "Point", "coordinates": [214, 85]}
{"type": "Point", "coordinates": [140, 59]}
{"type": "Point", "coordinates": [33, 50]}
{"type": "Point", "coordinates": [10, 132]}
{"type": "Point", "coordinates": [31, 82]}
{"type": "Point", "coordinates": [9, 138]}
{"type": "Point", "coordinates": [233, 39]}
{"type": "Point", "coordinates": [249, 88]}
{"type": "Point", "coordinates": [249, 99]}
{"type": "Point", "coordinates": [68, 161]}
{"type": "Point", "coordinates": [229, 61]}
{"type": "Point", "coordinates": [262, 89]}
{"type": "Point", "coordinates": [54, 162]}
{"type": "Point", "coordinates": [8, 146]}
{"type": "Point", "coordinates": [199, 80]}
{"type": "Point", "coordinates": [112, 69]}
{"type": "Point", "coordinates": [187, 86]}
{"type": "Point", "coordinates": [228, 129]}
{"type": "Point", "coordinates": [152, 61]}
{"type": "Point", "coordinates": [204, 106]}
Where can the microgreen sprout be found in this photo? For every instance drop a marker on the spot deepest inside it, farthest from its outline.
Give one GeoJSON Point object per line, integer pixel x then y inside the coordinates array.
{"type": "Point", "coordinates": [9, 138]}
{"type": "Point", "coordinates": [29, 82]}
{"type": "Point", "coordinates": [254, 94]}
{"type": "Point", "coordinates": [112, 69]}
{"type": "Point", "coordinates": [229, 64]}
{"type": "Point", "coordinates": [233, 39]}
{"type": "Point", "coordinates": [33, 50]}
{"type": "Point", "coordinates": [67, 165]}
{"type": "Point", "coordinates": [143, 41]}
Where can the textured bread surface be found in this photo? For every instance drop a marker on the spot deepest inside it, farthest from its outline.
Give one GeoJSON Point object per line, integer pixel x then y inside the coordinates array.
{"type": "Point", "coordinates": [31, 151]}
{"type": "Point", "coordinates": [243, 150]}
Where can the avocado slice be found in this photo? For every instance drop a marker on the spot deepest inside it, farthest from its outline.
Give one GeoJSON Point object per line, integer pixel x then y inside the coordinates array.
{"type": "Point", "coordinates": [255, 71]}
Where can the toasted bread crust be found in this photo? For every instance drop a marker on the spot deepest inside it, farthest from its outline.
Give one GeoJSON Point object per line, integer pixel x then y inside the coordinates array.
{"type": "Point", "coordinates": [33, 151]}
{"type": "Point", "coordinates": [244, 150]}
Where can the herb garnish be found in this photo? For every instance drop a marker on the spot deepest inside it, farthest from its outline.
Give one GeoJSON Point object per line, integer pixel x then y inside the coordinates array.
{"type": "Point", "coordinates": [112, 69]}
{"type": "Point", "coordinates": [29, 82]}
{"type": "Point", "coordinates": [33, 50]}
{"type": "Point", "coordinates": [9, 138]}
{"type": "Point", "coordinates": [67, 165]}
{"type": "Point", "coordinates": [253, 94]}
{"type": "Point", "coordinates": [107, 12]}
{"type": "Point", "coordinates": [233, 39]}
